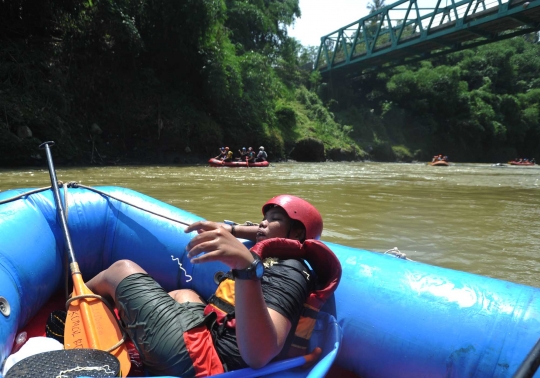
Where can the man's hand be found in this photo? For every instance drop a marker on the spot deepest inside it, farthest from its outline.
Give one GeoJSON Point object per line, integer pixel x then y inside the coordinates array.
{"type": "Point", "coordinates": [214, 242]}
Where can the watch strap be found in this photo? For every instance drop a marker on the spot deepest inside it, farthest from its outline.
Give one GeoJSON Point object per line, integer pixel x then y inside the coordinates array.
{"type": "Point", "coordinates": [250, 273]}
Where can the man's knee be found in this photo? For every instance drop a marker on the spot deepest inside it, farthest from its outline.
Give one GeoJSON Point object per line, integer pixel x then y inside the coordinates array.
{"type": "Point", "coordinates": [125, 268]}
{"type": "Point", "coordinates": [185, 295]}
{"type": "Point", "coordinates": [118, 271]}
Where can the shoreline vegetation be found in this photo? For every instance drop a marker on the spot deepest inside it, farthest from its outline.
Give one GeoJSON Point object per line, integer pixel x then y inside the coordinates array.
{"type": "Point", "coordinates": [114, 83]}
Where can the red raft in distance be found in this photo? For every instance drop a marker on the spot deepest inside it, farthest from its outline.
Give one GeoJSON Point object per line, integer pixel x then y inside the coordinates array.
{"type": "Point", "coordinates": [236, 164]}
{"type": "Point", "coordinates": [440, 163]}
{"type": "Point", "coordinates": [513, 162]}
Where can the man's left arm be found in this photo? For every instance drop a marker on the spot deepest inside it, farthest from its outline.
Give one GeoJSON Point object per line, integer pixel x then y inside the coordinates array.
{"type": "Point", "coordinates": [260, 332]}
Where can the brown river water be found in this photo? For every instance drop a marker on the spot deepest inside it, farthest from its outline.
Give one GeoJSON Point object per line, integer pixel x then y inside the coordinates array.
{"type": "Point", "coordinates": [471, 217]}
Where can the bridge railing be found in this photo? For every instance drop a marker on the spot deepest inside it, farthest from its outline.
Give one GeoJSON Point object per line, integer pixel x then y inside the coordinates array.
{"type": "Point", "coordinates": [386, 34]}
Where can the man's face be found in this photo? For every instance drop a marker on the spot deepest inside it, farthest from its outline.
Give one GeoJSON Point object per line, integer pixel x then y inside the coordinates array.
{"type": "Point", "coordinates": [275, 224]}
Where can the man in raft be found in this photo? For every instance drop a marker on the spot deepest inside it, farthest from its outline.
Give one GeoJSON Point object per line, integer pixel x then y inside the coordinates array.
{"type": "Point", "coordinates": [222, 153]}
{"type": "Point", "coordinates": [262, 155]}
{"type": "Point", "coordinates": [243, 154]}
{"type": "Point", "coordinates": [253, 318]}
{"type": "Point", "coordinates": [228, 154]}
{"type": "Point", "coordinates": [251, 155]}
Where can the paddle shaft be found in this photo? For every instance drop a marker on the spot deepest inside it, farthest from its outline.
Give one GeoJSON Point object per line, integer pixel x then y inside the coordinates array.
{"type": "Point", "coordinates": [530, 365]}
{"type": "Point", "coordinates": [73, 266]}
{"type": "Point", "coordinates": [57, 200]}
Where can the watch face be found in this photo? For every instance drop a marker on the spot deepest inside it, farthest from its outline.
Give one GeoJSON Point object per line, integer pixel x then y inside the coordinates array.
{"type": "Point", "coordinates": [259, 269]}
{"type": "Point", "coordinates": [254, 272]}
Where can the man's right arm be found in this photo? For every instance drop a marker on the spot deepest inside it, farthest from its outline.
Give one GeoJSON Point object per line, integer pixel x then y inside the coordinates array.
{"type": "Point", "coordinates": [243, 231]}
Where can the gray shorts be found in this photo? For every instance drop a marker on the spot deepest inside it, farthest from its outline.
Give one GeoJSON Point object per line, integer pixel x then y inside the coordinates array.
{"type": "Point", "coordinates": [156, 323]}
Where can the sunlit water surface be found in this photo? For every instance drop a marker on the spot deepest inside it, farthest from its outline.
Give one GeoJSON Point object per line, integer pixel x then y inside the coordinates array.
{"type": "Point", "coordinates": [471, 217]}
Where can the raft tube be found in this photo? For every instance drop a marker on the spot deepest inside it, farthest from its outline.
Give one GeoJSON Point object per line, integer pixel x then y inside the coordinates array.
{"type": "Point", "coordinates": [389, 317]}
{"type": "Point", "coordinates": [440, 163]}
{"type": "Point", "coordinates": [237, 164]}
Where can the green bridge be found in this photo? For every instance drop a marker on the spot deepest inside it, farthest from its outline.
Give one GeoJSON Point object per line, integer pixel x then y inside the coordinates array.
{"type": "Point", "coordinates": [408, 31]}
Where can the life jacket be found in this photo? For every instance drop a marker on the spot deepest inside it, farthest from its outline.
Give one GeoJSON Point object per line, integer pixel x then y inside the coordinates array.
{"type": "Point", "coordinates": [326, 267]}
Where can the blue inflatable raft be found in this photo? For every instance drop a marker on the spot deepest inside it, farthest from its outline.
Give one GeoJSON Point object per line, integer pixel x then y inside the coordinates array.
{"type": "Point", "coordinates": [390, 317]}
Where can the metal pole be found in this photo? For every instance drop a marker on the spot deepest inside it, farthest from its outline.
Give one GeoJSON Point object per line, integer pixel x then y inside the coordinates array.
{"type": "Point", "coordinates": [56, 193]}
{"type": "Point", "coordinates": [530, 364]}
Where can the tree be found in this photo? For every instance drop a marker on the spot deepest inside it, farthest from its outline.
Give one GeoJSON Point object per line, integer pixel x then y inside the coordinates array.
{"type": "Point", "coordinates": [260, 25]}
{"type": "Point", "coordinates": [375, 6]}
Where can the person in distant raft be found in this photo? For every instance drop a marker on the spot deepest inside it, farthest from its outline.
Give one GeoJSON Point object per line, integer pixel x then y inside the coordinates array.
{"type": "Point", "coordinates": [253, 317]}
{"type": "Point", "coordinates": [243, 154]}
{"type": "Point", "coordinates": [261, 156]}
{"type": "Point", "coordinates": [251, 155]}
{"type": "Point", "coordinates": [222, 154]}
{"type": "Point", "coordinates": [228, 154]}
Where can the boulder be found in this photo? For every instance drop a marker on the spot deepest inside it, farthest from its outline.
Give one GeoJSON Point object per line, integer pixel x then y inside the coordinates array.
{"type": "Point", "coordinates": [308, 150]}
{"type": "Point", "coordinates": [341, 154]}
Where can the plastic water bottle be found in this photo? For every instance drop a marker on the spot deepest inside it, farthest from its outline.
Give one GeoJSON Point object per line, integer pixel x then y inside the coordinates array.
{"type": "Point", "coordinates": [19, 341]}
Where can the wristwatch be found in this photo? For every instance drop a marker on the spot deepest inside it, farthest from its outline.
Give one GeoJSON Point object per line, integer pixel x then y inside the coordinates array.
{"type": "Point", "coordinates": [253, 272]}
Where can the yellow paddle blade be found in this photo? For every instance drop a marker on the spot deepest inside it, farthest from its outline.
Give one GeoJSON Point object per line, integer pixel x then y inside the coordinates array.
{"type": "Point", "coordinates": [90, 324]}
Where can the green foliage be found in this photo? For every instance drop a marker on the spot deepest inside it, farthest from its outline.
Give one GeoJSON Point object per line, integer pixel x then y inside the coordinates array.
{"type": "Point", "coordinates": [155, 76]}
{"type": "Point", "coordinates": [286, 116]}
{"type": "Point", "coordinates": [171, 76]}
{"type": "Point", "coordinates": [469, 103]}
{"type": "Point", "coordinates": [402, 153]}
{"type": "Point", "coordinates": [316, 121]}
{"type": "Point", "coordinates": [383, 151]}
{"type": "Point", "coordinates": [429, 90]}
{"type": "Point", "coordinates": [531, 113]}
{"type": "Point", "coordinates": [260, 25]}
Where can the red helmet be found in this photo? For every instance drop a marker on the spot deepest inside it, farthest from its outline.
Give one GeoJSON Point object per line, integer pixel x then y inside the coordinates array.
{"type": "Point", "coordinates": [300, 210]}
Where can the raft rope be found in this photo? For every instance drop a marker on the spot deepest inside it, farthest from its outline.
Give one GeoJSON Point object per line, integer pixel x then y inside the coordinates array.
{"type": "Point", "coordinates": [181, 267]}
{"type": "Point", "coordinates": [73, 184]}
{"type": "Point", "coordinates": [24, 194]}
{"type": "Point", "coordinates": [76, 297]}
{"type": "Point", "coordinates": [397, 253]}
{"type": "Point", "coordinates": [76, 184]}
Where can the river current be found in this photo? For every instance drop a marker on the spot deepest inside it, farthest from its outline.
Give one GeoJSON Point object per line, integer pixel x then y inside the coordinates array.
{"type": "Point", "coordinates": [477, 218]}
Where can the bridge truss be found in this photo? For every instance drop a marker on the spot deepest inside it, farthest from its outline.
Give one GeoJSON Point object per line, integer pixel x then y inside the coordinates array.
{"type": "Point", "coordinates": [408, 30]}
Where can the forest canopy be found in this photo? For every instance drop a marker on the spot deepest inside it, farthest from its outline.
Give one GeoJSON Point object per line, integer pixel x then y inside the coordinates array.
{"type": "Point", "coordinates": [114, 81]}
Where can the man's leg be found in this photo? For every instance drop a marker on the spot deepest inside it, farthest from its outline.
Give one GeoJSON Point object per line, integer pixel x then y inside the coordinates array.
{"type": "Point", "coordinates": [105, 282]}
{"type": "Point", "coordinates": [186, 295]}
